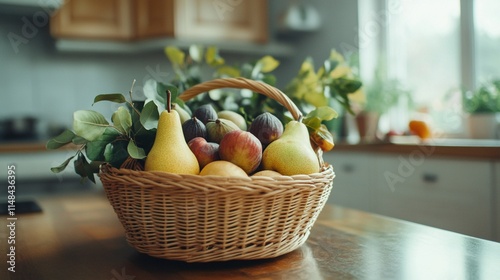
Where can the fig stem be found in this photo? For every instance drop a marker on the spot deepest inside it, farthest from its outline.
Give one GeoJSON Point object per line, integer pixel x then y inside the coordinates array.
{"type": "Point", "coordinates": [169, 101]}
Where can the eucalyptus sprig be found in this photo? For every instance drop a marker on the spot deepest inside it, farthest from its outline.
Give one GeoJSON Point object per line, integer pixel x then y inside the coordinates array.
{"type": "Point", "coordinates": [129, 135]}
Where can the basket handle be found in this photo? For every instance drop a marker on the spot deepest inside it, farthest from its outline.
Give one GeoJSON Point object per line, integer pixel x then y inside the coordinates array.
{"type": "Point", "coordinates": [244, 83]}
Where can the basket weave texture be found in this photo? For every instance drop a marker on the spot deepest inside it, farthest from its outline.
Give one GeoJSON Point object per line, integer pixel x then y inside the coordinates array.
{"type": "Point", "coordinates": [196, 218]}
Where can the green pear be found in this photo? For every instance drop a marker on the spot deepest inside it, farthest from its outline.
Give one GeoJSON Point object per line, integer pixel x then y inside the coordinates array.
{"type": "Point", "coordinates": [183, 114]}
{"type": "Point", "coordinates": [170, 152]}
{"type": "Point", "coordinates": [292, 153]}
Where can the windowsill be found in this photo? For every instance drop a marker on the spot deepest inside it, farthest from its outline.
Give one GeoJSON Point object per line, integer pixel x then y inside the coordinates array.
{"type": "Point", "coordinates": [463, 148]}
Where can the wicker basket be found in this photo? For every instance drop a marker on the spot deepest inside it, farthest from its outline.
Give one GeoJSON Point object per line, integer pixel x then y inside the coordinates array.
{"type": "Point", "coordinates": [203, 219]}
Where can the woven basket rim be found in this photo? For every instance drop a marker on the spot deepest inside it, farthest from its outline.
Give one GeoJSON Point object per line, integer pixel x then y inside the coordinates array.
{"type": "Point", "coordinates": [167, 180]}
{"type": "Point", "coordinates": [107, 168]}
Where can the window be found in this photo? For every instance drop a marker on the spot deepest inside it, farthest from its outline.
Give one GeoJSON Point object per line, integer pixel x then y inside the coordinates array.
{"type": "Point", "coordinates": [435, 49]}
{"type": "Point", "coordinates": [487, 38]}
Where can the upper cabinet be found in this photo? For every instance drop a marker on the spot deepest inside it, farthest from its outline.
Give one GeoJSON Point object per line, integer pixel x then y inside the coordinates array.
{"type": "Point", "coordinates": [139, 19]}
{"type": "Point", "coordinates": [154, 18]}
{"type": "Point", "coordinates": [113, 19]}
{"type": "Point", "coordinates": [241, 20]}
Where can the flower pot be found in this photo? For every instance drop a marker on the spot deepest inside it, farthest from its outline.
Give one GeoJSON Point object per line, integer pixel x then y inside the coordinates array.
{"type": "Point", "coordinates": [367, 123]}
{"type": "Point", "coordinates": [484, 126]}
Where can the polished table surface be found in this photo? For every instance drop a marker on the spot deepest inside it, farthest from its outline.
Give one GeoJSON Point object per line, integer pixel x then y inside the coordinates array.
{"type": "Point", "coordinates": [79, 237]}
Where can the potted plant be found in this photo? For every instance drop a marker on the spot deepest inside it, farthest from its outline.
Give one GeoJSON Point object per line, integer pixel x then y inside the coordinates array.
{"type": "Point", "coordinates": [382, 94]}
{"type": "Point", "coordinates": [483, 107]}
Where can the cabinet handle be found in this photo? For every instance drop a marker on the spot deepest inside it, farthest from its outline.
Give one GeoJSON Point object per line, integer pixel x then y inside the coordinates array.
{"type": "Point", "coordinates": [430, 178]}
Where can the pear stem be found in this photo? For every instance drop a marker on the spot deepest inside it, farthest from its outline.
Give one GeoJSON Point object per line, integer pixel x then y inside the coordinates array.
{"type": "Point", "coordinates": [169, 101]}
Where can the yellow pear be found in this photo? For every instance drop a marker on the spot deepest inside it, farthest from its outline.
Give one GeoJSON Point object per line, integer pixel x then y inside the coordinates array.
{"type": "Point", "coordinates": [170, 152]}
{"type": "Point", "coordinates": [291, 154]}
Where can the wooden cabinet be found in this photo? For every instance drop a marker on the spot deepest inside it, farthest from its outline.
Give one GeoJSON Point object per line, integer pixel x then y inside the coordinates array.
{"type": "Point", "coordinates": [154, 18]}
{"type": "Point", "coordinates": [113, 19]}
{"type": "Point", "coordinates": [242, 20]}
{"type": "Point", "coordinates": [452, 194]}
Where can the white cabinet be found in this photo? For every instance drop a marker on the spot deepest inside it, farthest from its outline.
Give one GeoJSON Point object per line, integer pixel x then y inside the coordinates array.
{"type": "Point", "coordinates": [443, 193]}
{"type": "Point", "coordinates": [353, 184]}
{"type": "Point", "coordinates": [448, 193]}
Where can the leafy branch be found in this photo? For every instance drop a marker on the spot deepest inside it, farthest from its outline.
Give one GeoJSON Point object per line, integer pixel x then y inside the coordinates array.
{"type": "Point", "coordinates": [128, 137]}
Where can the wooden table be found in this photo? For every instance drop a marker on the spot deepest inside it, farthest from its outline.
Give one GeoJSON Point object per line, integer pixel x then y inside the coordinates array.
{"type": "Point", "coordinates": [79, 237]}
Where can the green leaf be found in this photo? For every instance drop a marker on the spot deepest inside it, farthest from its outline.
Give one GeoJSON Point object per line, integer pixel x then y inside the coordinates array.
{"type": "Point", "coordinates": [122, 120]}
{"type": "Point", "coordinates": [89, 124]}
{"type": "Point", "coordinates": [196, 53]}
{"type": "Point", "coordinates": [134, 151]}
{"type": "Point", "coordinates": [149, 116]}
{"type": "Point", "coordinates": [61, 167]}
{"type": "Point", "coordinates": [78, 140]}
{"type": "Point", "coordinates": [157, 92]}
{"type": "Point", "coordinates": [175, 55]}
{"type": "Point", "coordinates": [312, 123]}
{"type": "Point", "coordinates": [267, 64]}
{"type": "Point", "coordinates": [228, 71]}
{"type": "Point", "coordinates": [151, 93]}
{"type": "Point", "coordinates": [116, 153]}
{"type": "Point", "coordinates": [108, 152]}
{"type": "Point", "coordinates": [113, 97]}
{"type": "Point", "coordinates": [212, 57]}
{"type": "Point", "coordinates": [79, 166]}
{"type": "Point", "coordinates": [161, 90]}
{"type": "Point", "coordinates": [62, 139]}
{"type": "Point", "coordinates": [95, 149]}
{"type": "Point", "coordinates": [324, 113]}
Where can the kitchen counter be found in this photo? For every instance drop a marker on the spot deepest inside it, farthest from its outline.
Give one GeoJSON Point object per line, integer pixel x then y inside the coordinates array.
{"type": "Point", "coordinates": [80, 237]}
{"type": "Point", "coordinates": [462, 148]}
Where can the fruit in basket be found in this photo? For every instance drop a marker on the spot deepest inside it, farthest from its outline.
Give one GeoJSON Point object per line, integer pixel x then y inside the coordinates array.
{"type": "Point", "coordinates": [204, 151]}
{"type": "Point", "coordinates": [218, 128]}
{"type": "Point", "coordinates": [205, 113]}
{"type": "Point", "coordinates": [183, 114]}
{"type": "Point", "coordinates": [267, 128]}
{"type": "Point", "coordinates": [170, 152]}
{"type": "Point", "coordinates": [267, 173]}
{"type": "Point", "coordinates": [236, 118]}
{"type": "Point", "coordinates": [223, 168]}
{"type": "Point", "coordinates": [292, 153]}
{"type": "Point", "coordinates": [193, 128]}
{"type": "Point", "coordinates": [241, 148]}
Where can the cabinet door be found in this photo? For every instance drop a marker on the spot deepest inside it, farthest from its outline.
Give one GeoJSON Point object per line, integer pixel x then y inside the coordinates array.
{"type": "Point", "coordinates": [154, 18]}
{"type": "Point", "coordinates": [443, 193]}
{"type": "Point", "coordinates": [96, 19]}
{"type": "Point", "coordinates": [242, 20]}
{"type": "Point", "coordinates": [354, 179]}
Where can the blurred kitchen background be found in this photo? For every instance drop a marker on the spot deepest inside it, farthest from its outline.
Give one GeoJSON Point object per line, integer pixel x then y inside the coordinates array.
{"type": "Point", "coordinates": [436, 61]}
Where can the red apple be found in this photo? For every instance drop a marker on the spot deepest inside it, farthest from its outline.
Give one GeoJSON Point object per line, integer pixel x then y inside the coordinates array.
{"type": "Point", "coordinates": [241, 148]}
{"type": "Point", "coordinates": [204, 151]}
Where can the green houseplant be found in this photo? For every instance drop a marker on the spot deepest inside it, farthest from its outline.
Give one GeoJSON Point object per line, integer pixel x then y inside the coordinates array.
{"type": "Point", "coordinates": [483, 108]}
{"type": "Point", "coordinates": [382, 94]}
